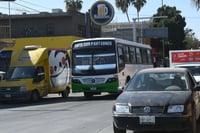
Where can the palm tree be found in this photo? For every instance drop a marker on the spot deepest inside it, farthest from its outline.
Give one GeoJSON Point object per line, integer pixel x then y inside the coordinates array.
{"type": "Point", "coordinates": [73, 5]}
{"type": "Point", "coordinates": [123, 6]}
{"type": "Point", "coordinates": [197, 3]}
{"type": "Point", "coordinates": [138, 4]}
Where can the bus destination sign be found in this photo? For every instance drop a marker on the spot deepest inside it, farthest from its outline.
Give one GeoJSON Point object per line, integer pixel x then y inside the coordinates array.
{"type": "Point", "coordinates": [93, 44]}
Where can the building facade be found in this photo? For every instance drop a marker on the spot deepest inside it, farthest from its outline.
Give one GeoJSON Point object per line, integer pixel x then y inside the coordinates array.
{"type": "Point", "coordinates": [48, 25]}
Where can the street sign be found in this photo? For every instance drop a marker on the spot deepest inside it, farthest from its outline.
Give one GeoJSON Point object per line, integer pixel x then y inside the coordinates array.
{"type": "Point", "coordinates": [155, 32]}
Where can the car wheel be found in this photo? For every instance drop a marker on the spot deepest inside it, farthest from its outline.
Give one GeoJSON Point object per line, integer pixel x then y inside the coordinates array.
{"type": "Point", "coordinates": [117, 130]}
{"type": "Point", "coordinates": [198, 125]}
{"type": "Point", "coordinates": [35, 96]}
{"type": "Point", "coordinates": [194, 124]}
{"type": "Point", "coordinates": [66, 92]}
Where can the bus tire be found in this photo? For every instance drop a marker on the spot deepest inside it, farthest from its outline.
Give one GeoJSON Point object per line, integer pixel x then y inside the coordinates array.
{"type": "Point", "coordinates": [35, 96]}
{"type": "Point", "coordinates": [66, 92]}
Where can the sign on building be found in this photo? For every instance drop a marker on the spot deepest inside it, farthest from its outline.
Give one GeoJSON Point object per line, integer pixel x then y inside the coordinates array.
{"type": "Point", "coordinates": [101, 12]}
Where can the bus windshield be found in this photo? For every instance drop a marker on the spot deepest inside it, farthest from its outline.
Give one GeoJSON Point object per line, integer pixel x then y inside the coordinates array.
{"type": "Point", "coordinates": [95, 62]}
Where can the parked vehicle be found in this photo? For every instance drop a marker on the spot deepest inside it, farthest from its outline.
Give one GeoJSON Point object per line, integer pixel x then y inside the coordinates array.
{"type": "Point", "coordinates": [158, 99]}
{"type": "Point", "coordinates": [189, 59]}
{"type": "Point", "coordinates": [5, 58]}
{"type": "Point", "coordinates": [106, 64]}
{"type": "Point", "coordinates": [35, 72]}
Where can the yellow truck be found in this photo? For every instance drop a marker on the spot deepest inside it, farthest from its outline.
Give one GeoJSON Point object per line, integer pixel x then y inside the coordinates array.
{"type": "Point", "coordinates": [5, 57]}
{"type": "Point", "coordinates": [35, 72]}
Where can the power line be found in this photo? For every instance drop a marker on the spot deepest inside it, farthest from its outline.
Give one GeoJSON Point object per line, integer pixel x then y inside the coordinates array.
{"type": "Point", "coordinates": [21, 10]}
{"type": "Point", "coordinates": [33, 4]}
{"type": "Point", "coordinates": [27, 7]}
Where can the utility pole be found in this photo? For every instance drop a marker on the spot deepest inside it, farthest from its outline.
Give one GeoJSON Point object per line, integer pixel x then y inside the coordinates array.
{"type": "Point", "coordinates": [9, 19]}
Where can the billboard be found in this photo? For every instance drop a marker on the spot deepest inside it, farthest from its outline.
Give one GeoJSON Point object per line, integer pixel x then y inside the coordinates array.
{"type": "Point", "coordinates": [185, 56]}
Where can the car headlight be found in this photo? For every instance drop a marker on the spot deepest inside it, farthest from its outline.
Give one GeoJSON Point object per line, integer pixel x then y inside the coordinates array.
{"type": "Point", "coordinates": [175, 109]}
{"type": "Point", "coordinates": [23, 88]}
{"type": "Point", "coordinates": [122, 109]}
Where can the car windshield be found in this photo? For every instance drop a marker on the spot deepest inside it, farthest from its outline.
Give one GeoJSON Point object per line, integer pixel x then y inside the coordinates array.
{"type": "Point", "coordinates": [158, 82]}
{"type": "Point", "coordinates": [20, 73]}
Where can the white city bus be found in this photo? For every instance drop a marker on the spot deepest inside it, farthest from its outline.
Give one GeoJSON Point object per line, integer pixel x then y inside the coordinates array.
{"type": "Point", "coordinates": [106, 64]}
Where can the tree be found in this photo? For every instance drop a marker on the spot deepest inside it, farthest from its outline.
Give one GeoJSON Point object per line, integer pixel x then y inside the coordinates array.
{"type": "Point", "coordinates": [123, 6]}
{"type": "Point", "coordinates": [73, 5]}
{"type": "Point", "coordinates": [138, 4]}
{"type": "Point", "coordinates": [191, 41]}
{"type": "Point", "coordinates": [197, 3]}
{"type": "Point", "coordinates": [175, 23]}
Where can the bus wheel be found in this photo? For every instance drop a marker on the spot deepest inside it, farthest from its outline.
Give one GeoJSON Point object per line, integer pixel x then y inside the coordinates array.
{"type": "Point", "coordinates": [35, 96]}
{"type": "Point", "coordinates": [66, 92]}
{"type": "Point", "coordinates": [88, 94]}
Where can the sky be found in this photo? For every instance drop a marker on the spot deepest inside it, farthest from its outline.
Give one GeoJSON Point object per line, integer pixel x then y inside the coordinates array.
{"type": "Point", "coordinates": [187, 8]}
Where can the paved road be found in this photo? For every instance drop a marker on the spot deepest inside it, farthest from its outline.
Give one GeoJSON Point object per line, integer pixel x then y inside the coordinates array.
{"type": "Point", "coordinates": [56, 115]}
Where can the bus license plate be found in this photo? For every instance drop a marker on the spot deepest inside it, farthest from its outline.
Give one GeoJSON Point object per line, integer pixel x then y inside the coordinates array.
{"type": "Point", "coordinates": [147, 119]}
{"type": "Point", "coordinates": [93, 88]}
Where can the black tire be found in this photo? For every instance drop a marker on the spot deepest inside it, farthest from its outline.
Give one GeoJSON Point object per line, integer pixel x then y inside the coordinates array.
{"type": "Point", "coordinates": [65, 93]}
{"type": "Point", "coordinates": [35, 97]}
{"type": "Point", "coordinates": [194, 126]}
{"type": "Point", "coordinates": [117, 130]}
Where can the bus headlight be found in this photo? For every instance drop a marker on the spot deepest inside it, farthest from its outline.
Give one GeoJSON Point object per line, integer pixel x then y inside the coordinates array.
{"type": "Point", "coordinates": [22, 88]}
{"type": "Point", "coordinates": [113, 79]}
{"type": "Point", "coordinates": [76, 81]}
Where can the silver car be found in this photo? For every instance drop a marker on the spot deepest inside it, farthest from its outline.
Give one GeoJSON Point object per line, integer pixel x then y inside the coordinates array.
{"type": "Point", "coordinates": [158, 99]}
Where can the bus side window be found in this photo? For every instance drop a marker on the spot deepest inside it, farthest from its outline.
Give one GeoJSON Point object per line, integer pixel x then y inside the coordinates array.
{"type": "Point", "coordinates": [138, 56]}
{"type": "Point", "coordinates": [132, 56]}
{"type": "Point", "coordinates": [121, 58]}
{"type": "Point", "coordinates": [144, 56]}
{"type": "Point", "coordinates": [149, 56]}
{"type": "Point", "coordinates": [126, 53]}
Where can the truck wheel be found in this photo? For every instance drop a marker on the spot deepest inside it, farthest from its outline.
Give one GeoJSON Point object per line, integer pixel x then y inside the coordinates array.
{"type": "Point", "coordinates": [35, 96]}
{"type": "Point", "coordinates": [66, 92]}
{"type": "Point", "coordinates": [117, 130]}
